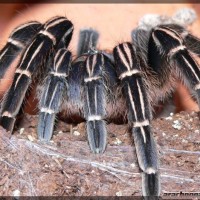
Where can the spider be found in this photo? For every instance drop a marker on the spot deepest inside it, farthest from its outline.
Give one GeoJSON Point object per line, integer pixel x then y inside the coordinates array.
{"type": "Point", "coordinates": [100, 86]}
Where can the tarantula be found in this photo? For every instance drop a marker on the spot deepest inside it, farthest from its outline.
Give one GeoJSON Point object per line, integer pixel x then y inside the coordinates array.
{"type": "Point", "coordinates": [99, 86]}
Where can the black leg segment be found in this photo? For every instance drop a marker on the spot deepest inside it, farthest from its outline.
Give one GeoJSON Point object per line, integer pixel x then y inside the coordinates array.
{"type": "Point", "coordinates": [95, 102]}
{"type": "Point", "coordinates": [53, 93]}
{"type": "Point", "coordinates": [139, 114]}
{"type": "Point", "coordinates": [17, 42]}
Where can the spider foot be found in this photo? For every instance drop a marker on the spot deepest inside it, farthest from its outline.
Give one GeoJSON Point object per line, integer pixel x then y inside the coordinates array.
{"type": "Point", "coordinates": [151, 185]}
{"type": "Point", "coordinates": [45, 126]}
{"type": "Point", "coordinates": [97, 134]}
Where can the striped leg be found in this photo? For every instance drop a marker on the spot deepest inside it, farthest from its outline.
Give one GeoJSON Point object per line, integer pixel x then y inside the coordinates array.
{"type": "Point", "coordinates": [191, 42]}
{"type": "Point", "coordinates": [95, 103]}
{"type": "Point", "coordinates": [53, 93]}
{"type": "Point", "coordinates": [167, 43]}
{"type": "Point", "coordinates": [139, 115]}
{"type": "Point", "coordinates": [140, 39]}
{"type": "Point", "coordinates": [16, 43]}
{"type": "Point", "coordinates": [87, 41]}
{"type": "Point", "coordinates": [54, 34]}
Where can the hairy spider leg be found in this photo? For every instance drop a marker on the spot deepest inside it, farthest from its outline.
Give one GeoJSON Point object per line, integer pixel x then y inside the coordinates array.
{"type": "Point", "coordinates": [95, 102]}
{"type": "Point", "coordinates": [95, 93]}
{"type": "Point", "coordinates": [140, 38]}
{"type": "Point", "coordinates": [139, 115]}
{"type": "Point", "coordinates": [87, 41]}
{"type": "Point", "coordinates": [90, 81]}
{"type": "Point", "coordinates": [191, 42]}
{"type": "Point", "coordinates": [168, 44]}
{"type": "Point", "coordinates": [16, 43]}
{"type": "Point", "coordinates": [53, 93]}
{"type": "Point", "coordinates": [54, 32]}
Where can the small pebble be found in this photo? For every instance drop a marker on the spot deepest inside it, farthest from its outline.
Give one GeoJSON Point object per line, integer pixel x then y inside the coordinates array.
{"type": "Point", "coordinates": [133, 165]}
{"type": "Point", "coordinates": [176, 135]}
{"type": "Point", "coordinates": [119, 193]}
{"type": "Point", "coordinates": [184, 141]}
{"type": "Point", "coordinates": [16, 194]}
{"type": "Point", "coordinates": [163, 134]}
{"type": "Point", "coordinates": [117, 141]}
{"type": "Point", "coordinates": [177, 125]}
{"type": "Point", "coordinates": [76, 133]}
{"type": "Point", "coordinates": [21, 131]}
{"type": "Point", "coordinates": [169, 118]}
{"type": "Point", "coordinates": [31, 138]}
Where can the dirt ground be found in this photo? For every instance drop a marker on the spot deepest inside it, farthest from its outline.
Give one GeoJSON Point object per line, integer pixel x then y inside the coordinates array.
{"type": "Point", "coordinates": [66, 166]}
